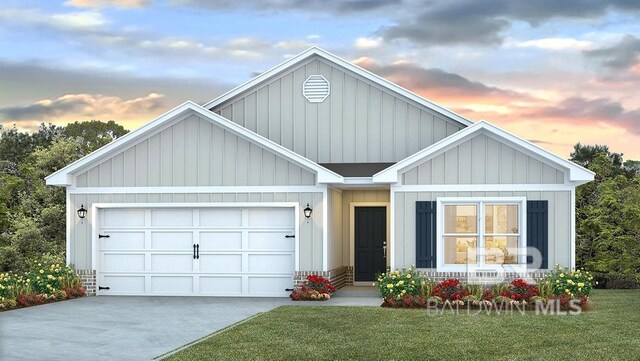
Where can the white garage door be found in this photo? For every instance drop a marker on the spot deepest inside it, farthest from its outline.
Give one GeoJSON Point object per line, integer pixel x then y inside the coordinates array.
{"type": "Point", "coordinates": [203, 251]}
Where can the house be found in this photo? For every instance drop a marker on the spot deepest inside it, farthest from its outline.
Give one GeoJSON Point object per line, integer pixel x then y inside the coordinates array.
{"type": "Point", "coordinates": [316, 166]}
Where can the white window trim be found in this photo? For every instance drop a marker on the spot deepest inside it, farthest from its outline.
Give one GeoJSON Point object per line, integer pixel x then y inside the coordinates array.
{"type": "Point", "coordinates": [440, 203]}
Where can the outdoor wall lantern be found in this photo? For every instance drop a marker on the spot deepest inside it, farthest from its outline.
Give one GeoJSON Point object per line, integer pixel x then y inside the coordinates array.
{"type": "Point", "coordinates": [307, 212]}
{"type": "Point", "coordinates": [82, 212]}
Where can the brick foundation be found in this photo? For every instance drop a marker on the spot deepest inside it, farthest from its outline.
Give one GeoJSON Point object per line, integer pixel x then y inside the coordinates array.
{"type": "Point", "coordinates": [339, 277]}
{"type": "Point", "coordinates": [88, 278]}
{"type": "Point", "coordinates": [483, 278]}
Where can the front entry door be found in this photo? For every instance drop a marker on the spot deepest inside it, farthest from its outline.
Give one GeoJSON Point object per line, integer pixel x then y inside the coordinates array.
{"type": "Point", "coordinates": [370, 233]}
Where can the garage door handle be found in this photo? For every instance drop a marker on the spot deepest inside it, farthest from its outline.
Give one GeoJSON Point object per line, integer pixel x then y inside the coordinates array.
{"type": "Point", "coordinates": [198, 251]}
{"type": "Point", "coordinates": [194, 251]}
{"type": "Point", "coordinates": [290, 236]}
{"type": "Point", "coordinates": [103, 236]}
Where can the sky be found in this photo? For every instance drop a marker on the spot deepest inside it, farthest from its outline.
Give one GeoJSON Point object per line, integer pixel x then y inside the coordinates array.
{"type": "Point", "coordinates": [553, 72]}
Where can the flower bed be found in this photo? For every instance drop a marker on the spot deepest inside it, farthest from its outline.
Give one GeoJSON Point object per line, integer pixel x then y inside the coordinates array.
{"type": "Point", "coordinates": [564, 288]}
{"type": "Point", "coordinates": [315, 288]}
{"type": "Point", "coordinates": [395, 284]}
{"type": "Point", "coordinates": [43, 283]}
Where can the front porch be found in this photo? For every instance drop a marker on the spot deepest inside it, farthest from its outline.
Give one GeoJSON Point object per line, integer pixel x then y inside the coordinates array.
{"type": "Point", "coordinates": [358, 221]}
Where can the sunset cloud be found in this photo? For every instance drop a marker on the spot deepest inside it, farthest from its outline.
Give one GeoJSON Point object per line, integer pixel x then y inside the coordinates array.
{"type": "Point", "coordinates": [79, 107]}
{"type": "Point", "coordinates": [439, 84]}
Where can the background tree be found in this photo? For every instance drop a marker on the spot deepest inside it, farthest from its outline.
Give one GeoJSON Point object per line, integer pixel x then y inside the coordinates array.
{"type": "Point", "coordinates": [94, 134]}
{"type": "Point", "coordinates": [32, 214]}
{"type": "Point", "coordinates": [608, 212]}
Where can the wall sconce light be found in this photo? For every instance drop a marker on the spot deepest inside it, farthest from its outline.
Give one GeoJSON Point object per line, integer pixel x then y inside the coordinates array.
{"type": "Point", "coordinates": [82, 212]}
{"type": "Point", "coordinates": [307, 212]}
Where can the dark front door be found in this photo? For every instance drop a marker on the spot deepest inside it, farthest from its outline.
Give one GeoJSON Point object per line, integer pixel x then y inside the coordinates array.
{"type": "Point", "coordinates": [370, 228]}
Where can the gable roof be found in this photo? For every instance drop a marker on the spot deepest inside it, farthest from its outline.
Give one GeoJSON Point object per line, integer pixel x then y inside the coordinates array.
{"type": "Point", "coordinates": [64, 176]}
{"type": "Point", "coordinates": [345, 64]}
{"type": "Point", "coordinates": [577, 174]}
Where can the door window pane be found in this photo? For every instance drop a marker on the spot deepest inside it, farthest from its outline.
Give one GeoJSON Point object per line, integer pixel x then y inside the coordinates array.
{"type": "Point", "coordinates": [501, 218]}
{"type": "Point", "coordinates": [501, 250]}
{"type": "Point", "coordinates": [460, 250]}
{"type": "Point", "coordinates": [460, 219]}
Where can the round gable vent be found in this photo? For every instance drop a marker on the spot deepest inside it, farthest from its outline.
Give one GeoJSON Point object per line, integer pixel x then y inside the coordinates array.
{"type": "Point", "coordinates": [316, 89]}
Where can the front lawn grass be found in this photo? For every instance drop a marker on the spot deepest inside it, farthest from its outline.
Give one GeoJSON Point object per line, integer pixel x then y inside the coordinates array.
{"type": "Point", "coordinates": [609, 331]}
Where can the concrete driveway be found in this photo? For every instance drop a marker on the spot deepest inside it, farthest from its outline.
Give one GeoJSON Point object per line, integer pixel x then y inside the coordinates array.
{"type": "Point", "coordinates": [119, 328]}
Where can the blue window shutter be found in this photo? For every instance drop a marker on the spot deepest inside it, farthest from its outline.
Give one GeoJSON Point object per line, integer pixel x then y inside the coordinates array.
{"type": "Point", "coordinates": [426, 234]}
{"type": "Point", "coordinates": [538, 229]}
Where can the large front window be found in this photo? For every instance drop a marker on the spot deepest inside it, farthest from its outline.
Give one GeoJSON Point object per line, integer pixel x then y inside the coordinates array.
{"type": "Point", "coordinates": [480, 233]}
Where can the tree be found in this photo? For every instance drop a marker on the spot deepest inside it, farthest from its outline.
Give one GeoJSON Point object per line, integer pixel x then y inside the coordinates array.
{"type": "Point", "coordinates": [32, 214]}
{"type": "Point", "coordinates": [94, 134]}
{"type": "Point", "coordinates": [607, 212]}
{"type": "Point", "coordinates": [15, 146]}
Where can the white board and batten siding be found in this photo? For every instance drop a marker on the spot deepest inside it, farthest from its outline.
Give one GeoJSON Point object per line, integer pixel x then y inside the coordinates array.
{"type": "Point", "coordinates": [358, 122]}
{"type": "Point", "coordinates": [194, 162]}
{"type": "Point", "coordinates": [559, 221]}
{"type": "Point", "coordinates": [195, 152]}
{"type": "Point", "coordinates": [241, 251]}
{"type": "Point", "coordinates": [483, 160]}
{"type": "Point", "coordinates": [463, 171]}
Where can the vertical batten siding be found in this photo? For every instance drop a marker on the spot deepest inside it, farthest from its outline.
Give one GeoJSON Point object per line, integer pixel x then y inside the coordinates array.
{"type": "Point", "coordinates": [195, 152]}
{"type": "Point", "coordinates": [310, 233]}
{"type": "Point", "coordinates": [349, 196]}
{"type": "Point", "coordinates": [559, 221]}
{"type": "Point", "coordinates": [483, 160]}
{"type": "Point", "coordinates": [358, 122]}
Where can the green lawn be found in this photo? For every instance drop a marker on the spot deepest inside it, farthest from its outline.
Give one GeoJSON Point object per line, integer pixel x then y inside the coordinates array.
{"type": "Point", "coordinates": [611, 330]}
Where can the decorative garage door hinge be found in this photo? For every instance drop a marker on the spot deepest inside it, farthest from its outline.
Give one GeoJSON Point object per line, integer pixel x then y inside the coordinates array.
{"type": "Point", "coordinates": [100, 288]}
{"type": "Point", "coordinates": [103, 236]}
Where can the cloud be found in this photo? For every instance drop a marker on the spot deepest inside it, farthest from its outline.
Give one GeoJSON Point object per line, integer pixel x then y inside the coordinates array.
{"type": "Point", "coordinates": [484, 22]}
{"type": "Point", "coordinates": [478, 100]}
{"type": "Point", "coordinates": [621, 55]}
{"type": "Point", "coordinates": [90, 29]}
{"type": "Point", "coordinates": [554, 44]}
{"type": "Point", "coordinates": [331, 7]}
{"type": "Point", "coordinates": [439, 84]}
{"type": "Point", "coordinates": [368, 43]}
{"type": "Point", "coordinates": [25, 88]}
{"type": "Point", "coordinates": [74, 22]}
{"type": "Point", "coordinates": [98, 4]}
{"type": "Point", "coordinates": [71, 107]}
{"type": "Point", "coordinates": [590, 111]}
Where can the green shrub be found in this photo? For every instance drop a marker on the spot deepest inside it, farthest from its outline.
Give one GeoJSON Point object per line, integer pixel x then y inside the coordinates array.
{"type": "Point", "coordinates": [14, 285]}
{"type": "Point", "coordinates": [575, 283]}
{"type": "Point", "coordinates": [43, 278]}
{"type": "Point", "coordinates": [7, 304]}
{"type": "Point", "coordinates": [546, 290]}
{"type": "Point", "coordinates": [426, 287]}
{"type": "Point", "coordinates": [616, 280]}
{"type": "Point", "coordinates": [395, 284]}
{"type": "Point", "coordinates": [10, 259]}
